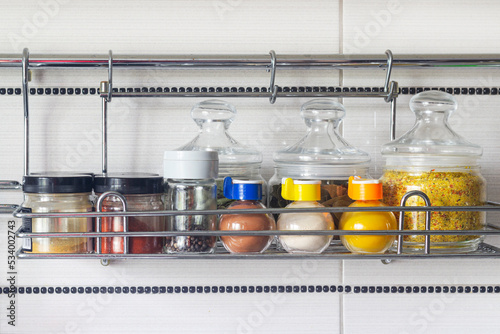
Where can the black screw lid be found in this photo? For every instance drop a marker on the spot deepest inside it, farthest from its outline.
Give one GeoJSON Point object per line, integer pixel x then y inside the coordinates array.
{"type": "Point", "coordinates": [129, 183]}
{"type": "Point", "coordinates": [57, 184]}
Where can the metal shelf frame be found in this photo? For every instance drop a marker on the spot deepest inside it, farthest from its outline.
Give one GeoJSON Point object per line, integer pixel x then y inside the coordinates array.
{"type": "Point", "coordinates": [270, 62]}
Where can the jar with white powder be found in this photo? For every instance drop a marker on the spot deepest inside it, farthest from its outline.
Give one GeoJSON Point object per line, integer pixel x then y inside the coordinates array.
{"type": "Point", "coordinates": [305, 194]}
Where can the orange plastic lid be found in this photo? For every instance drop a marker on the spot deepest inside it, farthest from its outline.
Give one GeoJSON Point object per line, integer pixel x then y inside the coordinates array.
{"type": "Point", "coordinates": [364, 189]}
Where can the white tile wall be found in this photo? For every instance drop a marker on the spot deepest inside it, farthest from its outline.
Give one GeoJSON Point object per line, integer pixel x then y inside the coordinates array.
{"type": "Point", "coordinates": [65, 136]}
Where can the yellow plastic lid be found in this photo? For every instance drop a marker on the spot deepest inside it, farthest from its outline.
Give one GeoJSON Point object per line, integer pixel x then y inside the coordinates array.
{"type": "Point", "coordinates": [364, 189]}
{"type": "Point", "coordinates": [301, 190]}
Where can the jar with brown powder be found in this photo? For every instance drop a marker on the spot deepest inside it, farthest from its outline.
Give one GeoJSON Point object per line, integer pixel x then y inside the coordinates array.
{"type": "Point", "coordinates": [246, 194]}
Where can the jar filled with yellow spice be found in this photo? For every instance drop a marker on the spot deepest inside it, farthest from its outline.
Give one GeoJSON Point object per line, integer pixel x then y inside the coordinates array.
{"type": "Point", "coordinates": [434, 159]}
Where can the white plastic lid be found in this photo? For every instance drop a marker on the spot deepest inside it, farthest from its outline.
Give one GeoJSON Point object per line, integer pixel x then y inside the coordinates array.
{"type": "Point", "coordinates": [190, 165]}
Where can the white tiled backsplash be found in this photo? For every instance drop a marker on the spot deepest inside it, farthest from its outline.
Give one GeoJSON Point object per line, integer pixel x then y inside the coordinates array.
{"type": "Point", "coordinates": [197, 296]}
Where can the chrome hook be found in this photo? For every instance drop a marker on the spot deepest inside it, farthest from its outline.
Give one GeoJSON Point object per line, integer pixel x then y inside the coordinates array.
{"type": "Point", "coordinates": [272, 87]}
{"type": "Point", "coordinates": [110, 75]}
{"type": "Point", "coordinates": [100, 200]}
{"type": "Point", "coordinates": [25, 78]}
{"type": "Point", "coordinates": [427, 245]}
{"type": "Point", "coordinates": [389, 70]}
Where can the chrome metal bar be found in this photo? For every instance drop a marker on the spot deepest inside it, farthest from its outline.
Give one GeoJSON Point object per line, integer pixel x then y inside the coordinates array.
{"type": "Point", "coordinates": [104, 87]}
{"type": "Point", "coordinates": [393, 119]}
{"type": "Point", "coordinates": [10, 185]}
{"type": "Point", "coordinates": [22, 234]}
{"type": "Point", "coordinates": [198, 61]}
{"type": "Point", "coordinates": [334, 252]}
{"type": "Point", "coordinates": [485, 208]}
{"type": "Point", "coordinates": [25, 78]}
{"type": "Point", "coordinates": [249, 94]}
{"type": "Point", "coordinates": [8, 208]}
{"type": "Point", "coordinates": [123, 200]}
{"type": "Point", "coordinates": [427, 201]}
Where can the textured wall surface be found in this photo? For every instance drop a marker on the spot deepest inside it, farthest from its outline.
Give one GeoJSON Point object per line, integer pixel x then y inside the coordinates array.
{"type": "Point", "coordinates": [196, 296]}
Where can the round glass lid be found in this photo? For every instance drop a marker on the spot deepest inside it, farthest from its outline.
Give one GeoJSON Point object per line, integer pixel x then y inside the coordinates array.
{"type": "Point", "coordinates": [431, 134]}
{"type": "Point", "coordinates": [322, 145]}
{"type": "Point", "coordinates": [214, 118]}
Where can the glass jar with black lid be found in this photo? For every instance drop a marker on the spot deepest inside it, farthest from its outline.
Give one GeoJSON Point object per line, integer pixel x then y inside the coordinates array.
{"type": "Point", "coordinates": [143, 192]}
{"type": "Point", "coordinates": [55, 193]}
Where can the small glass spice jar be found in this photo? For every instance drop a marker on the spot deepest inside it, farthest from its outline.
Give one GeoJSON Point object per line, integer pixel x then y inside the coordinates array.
{"type": "Point", "coordinates": [246, 195]}
{"type": "Point", "coordinates": [190, 177]}
{"type": "Point", "coordinates": [304, 194]}
{"type": "Point", "coordinates": [143, 192]}
{"type": "Point", "coordinates": [53, 194]}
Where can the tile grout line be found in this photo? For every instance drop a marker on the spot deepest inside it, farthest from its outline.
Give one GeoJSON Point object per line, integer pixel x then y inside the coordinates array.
{"type": "Point", "coordinates": [341, 84]}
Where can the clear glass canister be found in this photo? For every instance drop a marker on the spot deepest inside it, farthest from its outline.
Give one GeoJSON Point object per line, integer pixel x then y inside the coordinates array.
{"type": "Point", "coordinates": [143, 192]}
{"type": "Point", "coordinates": [191, 185]}
{"type": "Point", "coordinates": [55, 194]}
{"type": "Point", "coordinates": [235, 160]}
{"type": "Point", "coordinates": [323, 154]}
{"type": "Point", "coordinates": [432, 158]}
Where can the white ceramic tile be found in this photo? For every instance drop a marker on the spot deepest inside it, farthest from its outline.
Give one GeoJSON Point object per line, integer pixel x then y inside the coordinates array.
{"type": "Point", "coordinates": [420, 27]}
{"type": "Point", "coordinates": [181, 313]}
{"type": "Point", "coordinates": [420, 313]}
{"type": "Point", "coordinates": [421, 272]}
{"type": "Point", "coordinates": [171, 26]}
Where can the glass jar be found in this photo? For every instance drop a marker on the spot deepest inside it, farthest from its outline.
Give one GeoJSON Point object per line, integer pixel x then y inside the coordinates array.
{"type": "Point", "coordinates": [246, 195]}
{"type": "Point", "coordinates": [143, 192]}
{"type": "Point", "coordinates": [235, 160]}
{"type": "Point", "coordinates": [304, 194]}
{"type": "Point", "coordinates": [323, 154]}
{"type": "Point", "coordinates": [432, 158]}
{"type": "Point", "coordinates": [54, 194]}
{"type": "Point", "coordinates": [191, 186]}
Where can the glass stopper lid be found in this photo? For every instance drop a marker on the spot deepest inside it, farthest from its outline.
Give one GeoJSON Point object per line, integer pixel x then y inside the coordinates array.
{"type": "Point", "coordinates": [431, 134]}
{"type": "Point", "coordinates": [322, 144]}
{"type": "Point", "coordinates": [214, 118]}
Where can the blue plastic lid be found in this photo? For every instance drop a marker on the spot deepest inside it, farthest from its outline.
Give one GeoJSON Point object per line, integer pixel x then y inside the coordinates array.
{"type": "Point", "coordinates": [243, 189]}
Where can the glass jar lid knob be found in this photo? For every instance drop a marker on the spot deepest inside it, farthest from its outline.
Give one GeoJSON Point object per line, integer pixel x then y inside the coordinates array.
{"type": "Point", "coordinates": [321, 110]}
{"type": "Point", "coordinates": [213, 111]}
{"type": "Point", "coordinates": [432, 102]}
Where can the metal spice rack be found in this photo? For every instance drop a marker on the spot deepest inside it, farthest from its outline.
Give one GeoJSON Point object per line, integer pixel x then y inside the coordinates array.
{"type": "Point", "coordinates": [270, 63]}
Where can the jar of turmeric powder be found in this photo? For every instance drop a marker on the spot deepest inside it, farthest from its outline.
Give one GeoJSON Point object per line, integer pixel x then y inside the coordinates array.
{"type": "Point", "coordinates": [434, 159]}
{"type": "Point", "coordinates": [54, 194]}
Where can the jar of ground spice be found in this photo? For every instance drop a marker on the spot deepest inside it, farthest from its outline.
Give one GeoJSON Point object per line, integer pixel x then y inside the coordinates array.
{"type": "Point", "coordinates": [246, 194]}
{"type": "Point", "coordinates": [57, 193]}
{"type": "Point", "coordinates": [191, 185]}
{"type": "Point", "coordinates": [143, 192]}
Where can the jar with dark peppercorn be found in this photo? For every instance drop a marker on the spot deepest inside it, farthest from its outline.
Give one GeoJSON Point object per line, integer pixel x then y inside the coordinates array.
{"type": "Point", "coordinates": [434, 159]}
{"type": "Point", "coordinates": [143, 192]}
{"type": "Point", "coordinates": [191, 185]}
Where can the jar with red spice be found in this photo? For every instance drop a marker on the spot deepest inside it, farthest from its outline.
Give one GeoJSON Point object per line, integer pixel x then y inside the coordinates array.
{"type": "Point", "coordinates": [143, 192]}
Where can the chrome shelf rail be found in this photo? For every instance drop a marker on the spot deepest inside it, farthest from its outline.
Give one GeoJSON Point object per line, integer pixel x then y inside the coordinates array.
{"type": "Point", "coordinates": [256, 61]}
{"type": "Point", "coordinates": [334, 252]}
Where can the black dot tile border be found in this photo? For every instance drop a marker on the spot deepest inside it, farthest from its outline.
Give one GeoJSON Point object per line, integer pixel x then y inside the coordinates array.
{"type": "Point", "coordinates": [252, 289]}
{"type": "Point", "coordinates": [83, 91]}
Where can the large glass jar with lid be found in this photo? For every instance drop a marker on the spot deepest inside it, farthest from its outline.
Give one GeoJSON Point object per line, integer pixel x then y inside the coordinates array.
{"type": "Point", "coordinates": [235, 160]}
{"type": "Point", "coordinates": [323, 154]}
{"type": "Point", "coordinates": [434, 159]}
